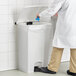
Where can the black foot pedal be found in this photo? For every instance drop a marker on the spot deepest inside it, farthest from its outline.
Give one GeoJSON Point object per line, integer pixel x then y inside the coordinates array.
{"type": "Point", "coordinates": [37, 69]}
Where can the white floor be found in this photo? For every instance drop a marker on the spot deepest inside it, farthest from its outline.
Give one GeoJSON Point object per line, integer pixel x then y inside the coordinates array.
{"type": "Point", "coordinates": [62, 72]}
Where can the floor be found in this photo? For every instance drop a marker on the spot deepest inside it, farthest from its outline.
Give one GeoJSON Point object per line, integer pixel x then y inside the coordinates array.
{"type": "Point", "coordinates": [62, 72]}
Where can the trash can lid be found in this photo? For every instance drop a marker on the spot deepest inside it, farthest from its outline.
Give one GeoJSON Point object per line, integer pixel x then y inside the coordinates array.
{"type": "Point", "coordinates": [35, 23]}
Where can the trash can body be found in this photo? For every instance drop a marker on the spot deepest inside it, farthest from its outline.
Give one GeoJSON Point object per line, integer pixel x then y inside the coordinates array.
{"type": "Point", "coordinates": [31, 44]}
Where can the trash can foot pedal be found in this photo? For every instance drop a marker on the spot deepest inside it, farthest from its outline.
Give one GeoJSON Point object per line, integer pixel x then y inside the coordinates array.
{"type": "Point", "coordinates": [37, 69]}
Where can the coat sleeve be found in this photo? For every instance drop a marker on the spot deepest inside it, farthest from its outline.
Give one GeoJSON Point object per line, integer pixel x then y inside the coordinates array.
{"type": "Point", "coordinates": [52, 9]}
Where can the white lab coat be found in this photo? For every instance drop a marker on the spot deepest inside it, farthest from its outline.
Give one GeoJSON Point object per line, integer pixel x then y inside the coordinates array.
{"type": "Point", "coordinates": [65, 33]}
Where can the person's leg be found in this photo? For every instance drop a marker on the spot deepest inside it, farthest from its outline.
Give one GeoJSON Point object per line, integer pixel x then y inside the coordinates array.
{"type": "Point", "coordinates": [55, 59]}
{"type": "Point", "coordinates": [72, 69]}
{"type": "Point", "coordinates": [54, 62]}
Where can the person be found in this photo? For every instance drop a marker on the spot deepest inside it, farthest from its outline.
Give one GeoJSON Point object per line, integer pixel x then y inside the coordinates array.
{"type": "Point", "coordinates": [65, 34]}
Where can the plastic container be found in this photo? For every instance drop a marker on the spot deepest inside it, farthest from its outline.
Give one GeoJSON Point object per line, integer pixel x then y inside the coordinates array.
{"type": "Point", "coordinates": [32, 42]}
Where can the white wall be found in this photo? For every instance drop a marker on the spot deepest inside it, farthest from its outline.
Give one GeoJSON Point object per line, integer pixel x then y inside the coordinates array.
{"type": "Point", "coordinates": [8, 15]}
{"type": "Point", "coordinates": [36, 2]}
{"type": "Point", "coordinates": [7, 36]}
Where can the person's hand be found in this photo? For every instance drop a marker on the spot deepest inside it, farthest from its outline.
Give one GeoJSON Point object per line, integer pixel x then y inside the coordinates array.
{"type": "Point", "coordinates": [37, 16]}
{"type": "Point", "coordinates": [56, 14]}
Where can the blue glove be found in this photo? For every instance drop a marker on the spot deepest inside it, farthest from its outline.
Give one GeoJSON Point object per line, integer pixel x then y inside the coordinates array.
{"type": "Point", "coordinates": [38, 18]}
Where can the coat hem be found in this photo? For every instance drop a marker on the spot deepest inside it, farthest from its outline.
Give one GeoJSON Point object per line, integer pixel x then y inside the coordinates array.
{"type": "Point", "coordinates": [63, 47]}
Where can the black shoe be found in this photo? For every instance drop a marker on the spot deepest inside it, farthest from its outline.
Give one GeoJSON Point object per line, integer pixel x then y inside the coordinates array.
{"type": "Point", "coordinates": [71, 73]}
{"type": "Point", "coordinates": [46, 70]}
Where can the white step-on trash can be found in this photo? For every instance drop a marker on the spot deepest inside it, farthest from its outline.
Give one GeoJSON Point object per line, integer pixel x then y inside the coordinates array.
{"type": "Point", "coordinates": [31, 44]}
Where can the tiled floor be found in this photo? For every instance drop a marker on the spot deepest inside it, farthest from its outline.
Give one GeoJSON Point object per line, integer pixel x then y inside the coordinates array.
{"type": "Point", "coordinates": [62, 72]}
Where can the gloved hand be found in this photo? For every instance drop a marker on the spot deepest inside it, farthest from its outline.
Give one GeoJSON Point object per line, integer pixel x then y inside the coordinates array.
{"type": "Point", "coordinates": [37, 17]}
{"type": "Point", "coordinates": [43, 18]}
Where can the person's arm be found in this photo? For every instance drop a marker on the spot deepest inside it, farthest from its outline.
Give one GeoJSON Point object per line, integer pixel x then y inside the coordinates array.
{"type": "Point", "coordinates": [52, 9]}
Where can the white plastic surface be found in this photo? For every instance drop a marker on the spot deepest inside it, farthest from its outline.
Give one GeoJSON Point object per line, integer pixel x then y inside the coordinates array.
{"type": "Point", "coordinates": [33, 44]}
